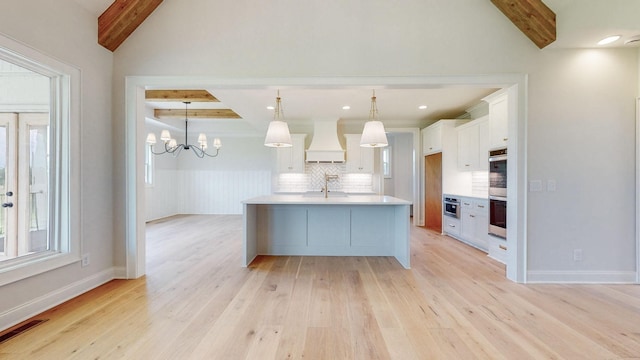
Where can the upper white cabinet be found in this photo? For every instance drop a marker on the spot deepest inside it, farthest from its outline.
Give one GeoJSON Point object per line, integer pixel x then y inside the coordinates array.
{"type": "Point", "coordinates": [498, 120]}
{"type": "Point", "coordinates": [432, 139]}
{"type": "Point", "coordinates": [291, 159]}
{"type": "Point", "coordinates": [359, 159]}
{"type": "Point", "coordinates": [473, 145]}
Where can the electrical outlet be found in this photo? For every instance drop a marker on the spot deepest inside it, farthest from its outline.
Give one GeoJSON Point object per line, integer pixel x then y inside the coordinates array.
{"type": "Point", "coordinates": [577, 254]}
{"type": "Point", "coordinates": [85, 260]}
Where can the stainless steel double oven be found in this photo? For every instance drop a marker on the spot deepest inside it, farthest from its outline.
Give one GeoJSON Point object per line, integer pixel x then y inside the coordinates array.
{"type": "Point", "coordinates": [498, 193]}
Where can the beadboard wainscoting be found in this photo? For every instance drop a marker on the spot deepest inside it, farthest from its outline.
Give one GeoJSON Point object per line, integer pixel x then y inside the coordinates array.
{"type": "Point", "coordinates": [161, 196]}
{"type": "Point", "coordinates": [204, 191]}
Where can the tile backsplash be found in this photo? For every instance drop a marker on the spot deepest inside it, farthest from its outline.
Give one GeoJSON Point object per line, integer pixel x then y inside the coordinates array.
{"type": "Point", "coordinates": [313, 180]}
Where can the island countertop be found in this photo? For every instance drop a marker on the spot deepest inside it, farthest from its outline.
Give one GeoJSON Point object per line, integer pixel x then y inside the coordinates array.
{"type": "Point", "coordinates": [300, 199]}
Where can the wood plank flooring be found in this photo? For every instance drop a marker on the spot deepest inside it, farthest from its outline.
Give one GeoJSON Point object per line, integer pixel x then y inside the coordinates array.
{"type": "Point", "coordinates": [196, 302]}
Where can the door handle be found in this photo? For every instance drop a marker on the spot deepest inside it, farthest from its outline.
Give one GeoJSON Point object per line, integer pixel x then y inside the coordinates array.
{"type": "Point", "coordinates": [6, 205]}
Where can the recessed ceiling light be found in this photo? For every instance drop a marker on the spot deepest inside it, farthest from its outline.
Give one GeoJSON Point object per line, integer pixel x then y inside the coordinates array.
{"type": "Point", "coordinates": [609, 40]}
{"type": "Point", "coordinates": [422, 107]}
{"type": "Point", "coordinates": [270, 107]}
{"type": "Point", "coordinates": [346, 107]}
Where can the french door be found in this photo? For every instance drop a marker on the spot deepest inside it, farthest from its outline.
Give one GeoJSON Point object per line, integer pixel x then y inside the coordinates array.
{"type": "Point", "coordinates": [24, 184]}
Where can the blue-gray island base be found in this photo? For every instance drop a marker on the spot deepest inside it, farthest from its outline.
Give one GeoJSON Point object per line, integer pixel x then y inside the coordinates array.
{"type": "Point", "coordinates": [361, 225]}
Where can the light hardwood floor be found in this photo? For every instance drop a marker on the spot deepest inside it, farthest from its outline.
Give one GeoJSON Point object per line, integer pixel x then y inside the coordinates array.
{"type": "Point", "coordinates": [196, 302]}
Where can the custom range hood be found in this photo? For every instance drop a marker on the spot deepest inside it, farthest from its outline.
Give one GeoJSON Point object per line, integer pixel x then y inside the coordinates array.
{"type": "Point", "coordinates": [325, 146]}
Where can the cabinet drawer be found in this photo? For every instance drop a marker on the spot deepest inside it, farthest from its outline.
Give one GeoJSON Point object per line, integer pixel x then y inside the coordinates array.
{"type": "Point", "coordinates": [452, 226]}
{"type": "Point", "coordinates": [498, 249]}
{"type": "Point", "coordinates": [466, 203]}
{"type": "Point", "coordinates": [481, 205]}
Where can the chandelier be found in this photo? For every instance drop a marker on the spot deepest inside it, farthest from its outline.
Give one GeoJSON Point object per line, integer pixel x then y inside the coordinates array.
{"type": "Point", "coordinates": [171, 146]}
{"type": "Point", "coordinates": [278, 133]}
{"type": "Point", "coordinates": [373, 134]}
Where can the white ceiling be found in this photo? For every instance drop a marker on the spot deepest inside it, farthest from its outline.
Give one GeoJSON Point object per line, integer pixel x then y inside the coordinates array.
{"type": "Point", "coordinates": [580, 24]}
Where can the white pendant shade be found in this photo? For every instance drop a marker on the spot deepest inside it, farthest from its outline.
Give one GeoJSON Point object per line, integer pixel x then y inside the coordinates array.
{"type": "Point", "coordinates": [172, 143]}
{"type": "Point", "coordinates": [217, 143]}
{"type": "Point", "coordinates": [373, 135]}
{"type": "Point", "coordinates": [202, 138]}
{"type": "Point", "coordinates": [165, 135]}
{"type": "Point", "coordinates": [278, 135]}
{"type": "Point", "coordinates": [151, 139]}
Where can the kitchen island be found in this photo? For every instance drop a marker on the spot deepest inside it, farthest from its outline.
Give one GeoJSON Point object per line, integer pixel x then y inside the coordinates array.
{"type": "Point", "coordinates": [352, 225]}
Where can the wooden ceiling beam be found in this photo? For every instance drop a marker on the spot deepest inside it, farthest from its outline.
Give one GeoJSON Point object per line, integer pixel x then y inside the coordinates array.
{"type": "Point", "coordinates": [180, 95]}
{"type": "Point", "coordinates": [121, 19]}
{"type": "Point", "coordinates": [196, 113]}
{"type": "Point", "coordinates": [532, 17]}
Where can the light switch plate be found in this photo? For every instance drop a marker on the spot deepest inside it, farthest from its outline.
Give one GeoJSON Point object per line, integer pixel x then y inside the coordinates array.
{"type": "Point", "coordinates": [535, 185]}
{"type": "Point", "coordinates": [551, 185]}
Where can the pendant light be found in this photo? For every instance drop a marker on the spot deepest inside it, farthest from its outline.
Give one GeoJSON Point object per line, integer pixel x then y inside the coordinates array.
{"type": "Point", "coordinates": [373, 134]}
{"type": "Point", "coordinates": [278, 133]}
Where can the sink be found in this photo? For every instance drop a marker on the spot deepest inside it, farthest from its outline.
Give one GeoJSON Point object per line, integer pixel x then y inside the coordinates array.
{"type": "Point", "coordinates": [321, 194]}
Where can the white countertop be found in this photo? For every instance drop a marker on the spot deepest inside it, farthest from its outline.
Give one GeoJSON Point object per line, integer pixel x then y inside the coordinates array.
{"type": "Point", "coordinates": [279, 199]}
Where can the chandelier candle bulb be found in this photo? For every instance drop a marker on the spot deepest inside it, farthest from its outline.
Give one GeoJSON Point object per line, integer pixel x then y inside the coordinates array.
{"type": "Point", "coordinates": [151, 139]}
{"type": "Point", "coordinates": [165, 135]}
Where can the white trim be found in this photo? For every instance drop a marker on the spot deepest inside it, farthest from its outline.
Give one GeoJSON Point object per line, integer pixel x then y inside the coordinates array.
{"type": "Point", "coordinates": [418, 200]}
{"type": "Point", "coordinates": [582, 277]}
{"type": "Point", "coordinates": [45, 302]}
{"type": "Point", "coordinates": [65, 110]}
{"type": "Point", "coordinates": [638, 190]}
{"type": "Point", "coordinates": [135, 132]}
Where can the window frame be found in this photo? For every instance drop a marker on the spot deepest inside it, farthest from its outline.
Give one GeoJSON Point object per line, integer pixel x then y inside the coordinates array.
{"type": "Point", "coordinates": [65, 214]}
{"type": "Point", "coordinates": [386, 165]}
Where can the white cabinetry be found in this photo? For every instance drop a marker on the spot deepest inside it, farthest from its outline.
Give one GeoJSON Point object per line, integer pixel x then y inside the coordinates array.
{"type": "Point", "coordinates": [432, 139]}
{"type": "Point", "coordinates": [451, 226]}
{"type": "Point", "coordinates": [473, 145]}
{"type": "Point", "coordinates": [291, 159]}
{"type": "Point", "coordinates": [475, 222]}
{"type": "Point", "coordinates": [473, 225]}
{"type": "Point", "coordinates": [497, 249]}
{"type": "Point", "coordinates": [359, 159]}
{"type": "Point", "coordinates": [498, 120]}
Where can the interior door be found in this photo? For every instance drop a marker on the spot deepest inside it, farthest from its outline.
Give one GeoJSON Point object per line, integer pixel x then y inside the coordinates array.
{"type": "Point", "coordinates": [433, 192]}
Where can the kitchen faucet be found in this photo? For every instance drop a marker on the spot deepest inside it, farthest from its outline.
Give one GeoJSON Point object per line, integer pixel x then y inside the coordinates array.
{"type": "Point", "coordinates": [328, 178]}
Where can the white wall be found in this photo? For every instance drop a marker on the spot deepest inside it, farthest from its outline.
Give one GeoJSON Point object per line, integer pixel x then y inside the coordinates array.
{"type": "Point", "coordinates": [580, 115]}
{"type": "Point", "coordinates": [64, 31]}
{"type": "Point", "coordinates": [401, 183]}
{"type": "Point", "coordinates": [187, 184]}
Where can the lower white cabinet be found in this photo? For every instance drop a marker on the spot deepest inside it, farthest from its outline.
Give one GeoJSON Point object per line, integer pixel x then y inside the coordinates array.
{"type": "Point", "coordinates": [451, 226]}
{"type": "Point", "coordinates": [473, 225]}
{"type": "Point", "coordinates": [498, 249]}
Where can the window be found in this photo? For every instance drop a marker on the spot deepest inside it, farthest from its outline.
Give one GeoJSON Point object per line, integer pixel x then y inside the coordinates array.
{"type": "Point", "coordinates": [148, 166]}
{"type": "Point", "coordinates": [386, 162]}
{"type": "Point", "coordinates": [37, 136]}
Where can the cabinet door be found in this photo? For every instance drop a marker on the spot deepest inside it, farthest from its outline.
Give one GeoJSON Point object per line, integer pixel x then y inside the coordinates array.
{"type": "Point", "coordinates": [484, 144]}
{"type": "Point", "coordinates": [432, 139]}
{"type": "Point", "coordinates": [468, 148]}
{"type": "Point", "coordinates": [481, 231]}
{"type": "Point", "coordinates": [291, 159]}
{"type": "Point", "coordinates": [359, 159]}
{"type": "Point", "coordinates": [498, 122]}
{"type": "Point", "coordinates": [468, 225]}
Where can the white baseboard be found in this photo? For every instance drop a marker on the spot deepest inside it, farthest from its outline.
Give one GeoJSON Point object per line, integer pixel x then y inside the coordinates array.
{"type": "Point", "coordinates": [120, 272]}
{"type": "Point", "coordinates": [582, 277]}
{"type": "Point", "coordinates": [45, 302]}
